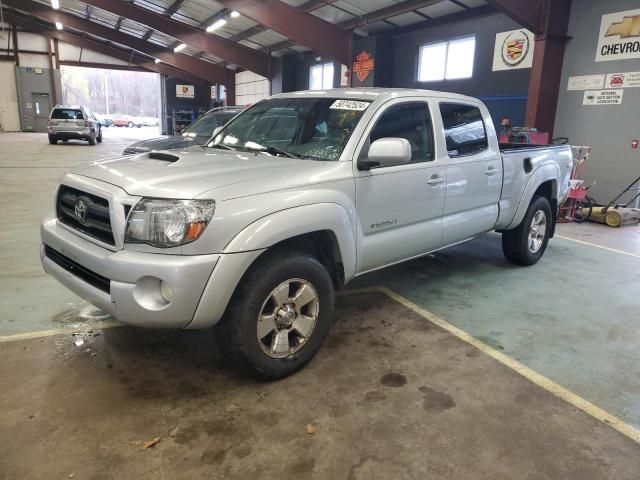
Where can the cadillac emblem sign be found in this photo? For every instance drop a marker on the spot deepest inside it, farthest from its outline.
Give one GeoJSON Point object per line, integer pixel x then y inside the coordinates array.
{"type": "Point", "coordinates": [515, 48]}
{"type": "Point", "coordinates": [363, 65]}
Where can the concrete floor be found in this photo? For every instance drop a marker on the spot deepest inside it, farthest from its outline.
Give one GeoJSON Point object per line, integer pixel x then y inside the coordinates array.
{"type": "Point", "coordinates": [391, 394]}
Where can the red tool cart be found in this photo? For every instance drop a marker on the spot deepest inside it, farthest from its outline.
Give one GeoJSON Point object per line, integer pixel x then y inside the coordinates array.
{"type": "Point", "coordinates": [578, 206]}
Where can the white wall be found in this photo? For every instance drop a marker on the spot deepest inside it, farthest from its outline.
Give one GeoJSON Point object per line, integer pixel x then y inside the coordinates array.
{"type": "Point", "coordinates": [250, 88]}
{"type": "Point", "coordinates": [9, 116]}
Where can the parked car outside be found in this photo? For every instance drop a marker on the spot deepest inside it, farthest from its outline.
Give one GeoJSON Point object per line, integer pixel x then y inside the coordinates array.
{"type": "Point", "coordinates": [104, 121]}
{"type": "Point", "coordinates": [149, 121]}
{"type": "Point", "coordinates": [254, 233]}
{"type": "Point", "coordinates": [125, 121]}
{"type": "Point", "coordinates": [195, 134]}
{"type": "Point", "coordinates": [73, 122]}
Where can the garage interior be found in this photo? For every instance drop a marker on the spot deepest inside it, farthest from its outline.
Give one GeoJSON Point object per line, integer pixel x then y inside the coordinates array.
{"type": "Point", "coordinates": [453, 365]}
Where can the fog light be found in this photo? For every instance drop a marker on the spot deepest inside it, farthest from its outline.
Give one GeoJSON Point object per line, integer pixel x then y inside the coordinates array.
{"type": "Point", "coordinates": [166, 292]}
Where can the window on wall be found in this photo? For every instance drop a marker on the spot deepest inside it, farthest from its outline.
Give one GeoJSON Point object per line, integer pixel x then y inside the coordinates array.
{"type": "Point", "coordinates": [447, 60]}
{"type": "Point", "coordinates": [321, 76]}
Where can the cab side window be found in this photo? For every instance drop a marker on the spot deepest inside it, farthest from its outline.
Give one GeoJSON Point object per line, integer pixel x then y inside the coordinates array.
{"type": "Point", "coordinates": [412, 122]}
{"type": "Point", "coordinates": [463, 129]}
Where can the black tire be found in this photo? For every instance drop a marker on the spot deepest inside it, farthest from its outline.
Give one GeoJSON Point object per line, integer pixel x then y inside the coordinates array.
{"type": "Point", "coordinates": [515, 243]}
{"type": "Point", "coordinates": [99, 137]}
{"type": "Point", "coordinates": [53, 140]}
{"type": "Point", "coordinates": [130, 125]}
{"type": "Point", "coordinates": [92, 139]}
{"type": "Point", "coordinates": [236, 333]}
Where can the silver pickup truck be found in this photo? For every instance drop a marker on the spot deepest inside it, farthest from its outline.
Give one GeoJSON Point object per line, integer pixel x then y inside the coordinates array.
{"type": "Point", "coordinates": [288, 202]}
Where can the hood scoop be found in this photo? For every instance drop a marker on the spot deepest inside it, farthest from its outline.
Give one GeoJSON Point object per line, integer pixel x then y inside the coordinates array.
{"type": "Point", "coordinates": [163, 156]}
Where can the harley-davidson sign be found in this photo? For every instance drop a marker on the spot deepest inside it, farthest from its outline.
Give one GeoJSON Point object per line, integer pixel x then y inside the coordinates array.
{"type": "Point", "coordinates": [363, 65]}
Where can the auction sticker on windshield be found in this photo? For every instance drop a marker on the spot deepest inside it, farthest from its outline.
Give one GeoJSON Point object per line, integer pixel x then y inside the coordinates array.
{"type": "Point", "coordinates": [349, 105]}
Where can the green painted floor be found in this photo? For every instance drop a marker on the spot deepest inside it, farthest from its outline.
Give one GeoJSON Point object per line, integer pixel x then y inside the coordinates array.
{"type": "Point", "coordinates": [574, 317]}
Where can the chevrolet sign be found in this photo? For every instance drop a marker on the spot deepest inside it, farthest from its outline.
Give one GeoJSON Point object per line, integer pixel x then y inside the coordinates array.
{"type": "Point", "coordinates": [619, 36]}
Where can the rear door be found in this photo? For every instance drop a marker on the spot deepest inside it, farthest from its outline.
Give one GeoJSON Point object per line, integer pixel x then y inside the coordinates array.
{"type": "Point", "coordinates": [400, 207]}
{"type": "Point", "coordinates": [474, 172]}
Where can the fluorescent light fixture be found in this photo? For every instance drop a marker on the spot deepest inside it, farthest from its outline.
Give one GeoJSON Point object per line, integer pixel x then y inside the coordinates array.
{"type": "Point", "coordinates": [58, 26]}
{"type": "Point", "coordinates": [234, 14]}
{"type": "Point", "coordinates": [216, 25]}
{"type": "Point", "coordinates": [55, 4]}
{"type": "Point", "coordinates": [157, 60]}
{"type": "Point", "coordinates": [180, 47]}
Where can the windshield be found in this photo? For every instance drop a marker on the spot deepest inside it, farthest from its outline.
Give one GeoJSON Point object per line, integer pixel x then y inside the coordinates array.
{"type": "Point", "coordinates": [315, 128]}
{"type": "Point", "coordinates": [206, 124]}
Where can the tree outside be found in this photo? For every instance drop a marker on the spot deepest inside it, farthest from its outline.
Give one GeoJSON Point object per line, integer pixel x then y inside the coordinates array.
{"type": "Point", "coordinates": [112, 92]}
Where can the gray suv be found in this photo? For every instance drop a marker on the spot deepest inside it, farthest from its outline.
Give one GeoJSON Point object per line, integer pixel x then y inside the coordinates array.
{"type": "Point", "coordinates": [71, 122]}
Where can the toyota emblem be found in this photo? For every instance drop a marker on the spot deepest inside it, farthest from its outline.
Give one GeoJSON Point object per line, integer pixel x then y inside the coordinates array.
{"type": "Point", "coordinates": [80, 211]}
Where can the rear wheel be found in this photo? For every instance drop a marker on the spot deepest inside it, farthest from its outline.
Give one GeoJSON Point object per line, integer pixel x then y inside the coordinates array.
{"type": "Point", "coordinates": [526, 244]}
{"type": "Point", "coordinates": [130, 125]}
{"type": "Point", "coordinates": [279, 315]}
{"type": "Point", "coordinates": [53, 140]}
{"type": "Point", "coordinates": [92, 139]}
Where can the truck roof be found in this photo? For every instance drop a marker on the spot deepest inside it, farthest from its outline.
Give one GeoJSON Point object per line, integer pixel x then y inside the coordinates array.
{"type": "Point", "coordinates": [373, 93]}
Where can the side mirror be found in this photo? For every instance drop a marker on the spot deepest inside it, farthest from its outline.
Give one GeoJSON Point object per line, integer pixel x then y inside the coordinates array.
{"type": "Point", "coordinates": [386, 152]}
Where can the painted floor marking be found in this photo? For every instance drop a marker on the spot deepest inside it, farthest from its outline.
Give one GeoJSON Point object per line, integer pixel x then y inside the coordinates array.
{"type": "Point", "coordinates": [595, 245]}
{"type": "Point", "coordinates": [531, 375]}
{"type": "Point", "coordinates": [85, 327]}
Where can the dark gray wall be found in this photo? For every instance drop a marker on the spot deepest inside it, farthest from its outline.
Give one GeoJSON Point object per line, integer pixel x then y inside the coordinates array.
{"type": "Point", "coordinates": [608, 129]}
{"type": "Point", "coordinates": [505, 92]}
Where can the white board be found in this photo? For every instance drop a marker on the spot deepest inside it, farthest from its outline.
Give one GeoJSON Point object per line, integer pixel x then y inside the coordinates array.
{"type": "Point", "coordinates": [586, 82]}
{"type": "Point", "coordinates": [603, 97]}
{"type": "Point", "coordinates": [623, 80]}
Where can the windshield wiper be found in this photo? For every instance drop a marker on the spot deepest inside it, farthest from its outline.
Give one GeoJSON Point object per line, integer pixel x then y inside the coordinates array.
{"type": "Point", "coordinates": [218, 145]}
{"type": "Point", "coordinates": [275, 151]}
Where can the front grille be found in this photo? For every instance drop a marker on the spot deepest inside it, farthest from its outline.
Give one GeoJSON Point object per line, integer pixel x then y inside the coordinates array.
{"type": "Point", "coordinates": [97, 222]}
{"type": "Point", "coordinates": [92, 278]}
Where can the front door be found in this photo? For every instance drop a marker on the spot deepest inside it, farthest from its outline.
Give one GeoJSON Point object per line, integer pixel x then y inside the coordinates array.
{"type": "Point", "coordinates": [400, 207]}
{"type": "Point", "coordinates": [41, 111]}
{"type": "Point", "coordinates": [474, 174]}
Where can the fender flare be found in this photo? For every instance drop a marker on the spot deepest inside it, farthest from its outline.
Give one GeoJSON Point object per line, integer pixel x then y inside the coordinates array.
{"type": "Point", "coordinates": [240, 253]}
{"type": "Point", "coordinates": [545, 173]}
{"type": "Point", "coordinates": [284, 224]}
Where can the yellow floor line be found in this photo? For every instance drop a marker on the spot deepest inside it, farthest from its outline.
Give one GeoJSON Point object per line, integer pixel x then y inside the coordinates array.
{"type": "Point", "coordinates": [59, 331]}
{"type": "Point", "coordinates": [595, 245]}
{"type": "Point", "coordinates": [538, 379]}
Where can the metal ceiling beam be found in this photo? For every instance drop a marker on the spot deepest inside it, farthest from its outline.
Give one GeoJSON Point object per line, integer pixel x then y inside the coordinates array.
{"type": "Point", "coordinates": [387, 12]}
{"type": "Point", "coordinates": [205, 70]}
{"type": "Point", "coordinates": [28, 24]}
{"type": "Point", "coordinates": [245, 57]}
{"type": "Point", "coordinates": [527, 13]}
{"type": "Point", "coordinates": [308, 6]}
{"type": "Point", "coordinates": [301, 27]}
{"type": "Point", "coordinates": [470, 14]}
{"type": "Point", "coordinates": [371, 17]}
{"type": "Point", "coordinates": [174, 7]}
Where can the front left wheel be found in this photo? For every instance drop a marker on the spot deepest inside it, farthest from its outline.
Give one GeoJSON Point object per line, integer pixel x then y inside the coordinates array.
{"type": "Point", "coordinates": [278, 316]}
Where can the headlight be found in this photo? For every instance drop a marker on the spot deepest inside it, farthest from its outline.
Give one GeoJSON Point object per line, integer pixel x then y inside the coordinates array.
{"type": "Point", "coordinates": [168, 223]}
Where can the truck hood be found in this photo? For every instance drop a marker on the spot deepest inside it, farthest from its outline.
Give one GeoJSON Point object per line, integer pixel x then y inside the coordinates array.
{"type": "Point", "coordinates": [164, 143]}
{"type": "Point", "coordinates": [195, 171]}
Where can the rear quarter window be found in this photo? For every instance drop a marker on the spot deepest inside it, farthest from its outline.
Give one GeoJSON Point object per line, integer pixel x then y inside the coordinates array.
{"type": "Point", "coordinates": [464, 129]}
{"type": "Point", "coordinates": [67, 114]}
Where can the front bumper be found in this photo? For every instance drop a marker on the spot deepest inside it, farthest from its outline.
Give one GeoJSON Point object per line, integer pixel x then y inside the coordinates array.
{"type": "Point", "coordinates": [133, 291]}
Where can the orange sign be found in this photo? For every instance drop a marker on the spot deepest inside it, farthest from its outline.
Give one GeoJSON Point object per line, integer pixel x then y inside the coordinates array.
{"type": "Point", "coordinates": [363, 65]}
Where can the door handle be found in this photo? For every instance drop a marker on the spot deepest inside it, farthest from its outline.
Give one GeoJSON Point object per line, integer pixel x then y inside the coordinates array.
{"type": "Point", "coordinates": [491, 171]}
{"type": "Point", "coordinates": [435, 180]}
